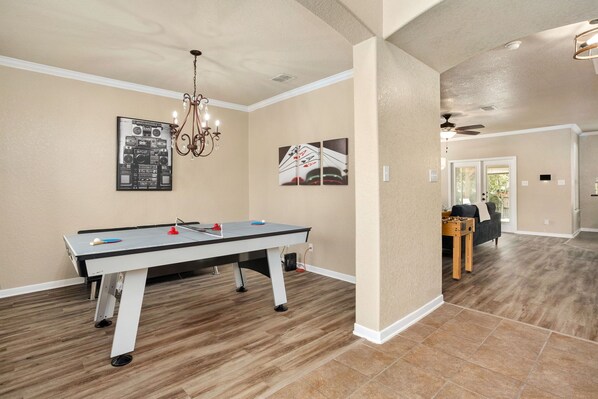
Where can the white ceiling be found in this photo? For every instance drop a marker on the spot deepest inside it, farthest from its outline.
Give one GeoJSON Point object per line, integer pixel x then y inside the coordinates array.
{"type": "Point", "coordinates": [244, 43]}
{"type": "Point", "coordinates": [247, 42]}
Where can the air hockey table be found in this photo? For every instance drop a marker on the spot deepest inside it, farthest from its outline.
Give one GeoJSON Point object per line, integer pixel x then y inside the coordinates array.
{"type": "Point", "coordinates": [123, 265]}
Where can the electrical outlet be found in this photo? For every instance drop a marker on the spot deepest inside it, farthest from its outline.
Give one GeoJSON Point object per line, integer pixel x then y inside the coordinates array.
{"type": "Point", "coordinates": [546, 221]}
{"type": "Point", "coordinates": [310, 247]}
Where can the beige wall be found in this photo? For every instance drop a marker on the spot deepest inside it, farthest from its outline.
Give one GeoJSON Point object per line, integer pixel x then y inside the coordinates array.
{"type": "Point", "coordinates": [588, 174]}
{"type": "Point", "coordinates": [367, 182]}
{"type": "Point", "coordinates": [397, 127]}
{"type": "Point", "coordinates": [546, 152]}
{"type": "Point", "coordinates": [330, 210]}
{"type": "Point", "coordinates": [58, 171]}
{"type": "Point", "coordinates": [410, 244]}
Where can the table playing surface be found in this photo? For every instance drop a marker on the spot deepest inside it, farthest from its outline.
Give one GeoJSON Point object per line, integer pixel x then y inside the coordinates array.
{"type": "Point", "coordinates": [136, 240]}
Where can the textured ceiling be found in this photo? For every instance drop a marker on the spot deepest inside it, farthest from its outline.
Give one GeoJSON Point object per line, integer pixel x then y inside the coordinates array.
{"type": "Point", "coordinates": [455, 30]}
{"type": "Point", "coordinates": [245, 43]}
{"type": "Point", "coordinates": [538, 85]}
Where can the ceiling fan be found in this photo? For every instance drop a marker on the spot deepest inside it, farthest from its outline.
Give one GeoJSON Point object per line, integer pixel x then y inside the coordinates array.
{"type": "Point", "coordinates": [449, 129]}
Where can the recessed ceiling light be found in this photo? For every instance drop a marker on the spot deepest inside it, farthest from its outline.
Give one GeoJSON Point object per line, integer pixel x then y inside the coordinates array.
{"type": "Point", "coordinates": [488, 108]}
{"type": "Point", "coordinates": [594, 21]}
{"type": "Point", "coordinates": [514, 45]}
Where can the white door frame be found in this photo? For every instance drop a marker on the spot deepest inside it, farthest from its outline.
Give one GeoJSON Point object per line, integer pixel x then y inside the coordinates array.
{"type": "Point", "coordinates": [481, 170]}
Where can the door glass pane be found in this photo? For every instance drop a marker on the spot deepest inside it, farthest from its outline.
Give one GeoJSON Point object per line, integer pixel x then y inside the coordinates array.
{"type": "Point", "coordinates": [497, 189]}
{"type": "Point", "coordinates": [465, 185]}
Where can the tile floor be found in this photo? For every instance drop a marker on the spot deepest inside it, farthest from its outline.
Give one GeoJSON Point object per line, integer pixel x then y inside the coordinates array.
{"type": "Point", "coordinates": [458, 353]}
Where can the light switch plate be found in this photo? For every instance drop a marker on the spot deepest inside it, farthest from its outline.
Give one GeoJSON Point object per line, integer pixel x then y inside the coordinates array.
{"type": "Point", "coordinates": [385, 173]}
{"type": "Point", "coordinates": [560, 182]}
{"type": "Point", "coordinates": [524, 183]}
{"type": "Point", "coordinates": [433, 175]}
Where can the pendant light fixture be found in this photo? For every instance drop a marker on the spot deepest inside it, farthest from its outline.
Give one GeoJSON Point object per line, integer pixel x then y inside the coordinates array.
{"type": "Point", "coordinates": [199, 141]}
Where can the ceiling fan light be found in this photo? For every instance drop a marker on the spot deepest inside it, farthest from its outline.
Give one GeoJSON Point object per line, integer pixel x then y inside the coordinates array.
{"type": "Point", "coordinates": [592, 40]}
{"type": "Point", "coordinates": [586, 45]}
{"type": "Point", "coordinates": [447, 134]}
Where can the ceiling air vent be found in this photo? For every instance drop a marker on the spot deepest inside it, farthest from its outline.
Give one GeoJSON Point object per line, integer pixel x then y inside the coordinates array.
{"type": "Point", "coordinates": [488, 108]}
{"type": "Point", "coordinates": [283, 77]}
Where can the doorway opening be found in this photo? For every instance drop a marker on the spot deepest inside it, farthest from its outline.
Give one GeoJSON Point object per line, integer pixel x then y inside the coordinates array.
{"type": "Point", "coordinates": [487, 180]}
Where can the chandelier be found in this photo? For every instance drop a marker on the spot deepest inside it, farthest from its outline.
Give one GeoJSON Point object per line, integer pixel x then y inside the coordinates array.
{"type": "Point", "coordinates": [200, 140]}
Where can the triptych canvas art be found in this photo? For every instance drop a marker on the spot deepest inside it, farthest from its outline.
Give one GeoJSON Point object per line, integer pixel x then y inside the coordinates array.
{"type": "Point", "coordinates": [313, 164]}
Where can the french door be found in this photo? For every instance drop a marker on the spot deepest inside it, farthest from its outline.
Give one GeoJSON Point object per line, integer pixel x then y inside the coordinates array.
{"type": "Point", "coordinates": [490, 180]}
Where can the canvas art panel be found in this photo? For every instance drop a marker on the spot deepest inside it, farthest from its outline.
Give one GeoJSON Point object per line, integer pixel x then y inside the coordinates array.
{"type": "Point", "coordinates": [335, 167]}
{"type": "Point", "coordinates": [308, 164]}
{"type": "Point", "coordinates": [287, 165]}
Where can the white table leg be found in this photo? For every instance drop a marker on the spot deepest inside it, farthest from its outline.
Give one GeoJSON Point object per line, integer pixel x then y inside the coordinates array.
{"type": "Point", "coordinates": [239, 278]}
{"type": "Point", "coordinates": [129, 312]}
{"type": "Point", "coordinates": [106, 299]}
{"type": "Point", "coordinates": [94, 286]}
{"type": "Point", "coordinates": [277, 279]}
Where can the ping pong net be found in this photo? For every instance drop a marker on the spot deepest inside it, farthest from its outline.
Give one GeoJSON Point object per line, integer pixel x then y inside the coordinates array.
{"type": "Point", "coordinates": [206, 230]}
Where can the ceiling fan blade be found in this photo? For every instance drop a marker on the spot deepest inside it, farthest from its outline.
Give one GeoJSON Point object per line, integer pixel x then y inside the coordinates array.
{"type": "Point", "coordinates": [470, 127]}
{"type": "Point", "coordinates": [468, 132]}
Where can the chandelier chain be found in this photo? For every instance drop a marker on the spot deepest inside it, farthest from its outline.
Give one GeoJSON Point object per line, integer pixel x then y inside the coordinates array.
{"type": "Point", "coordinates": [195, 77]}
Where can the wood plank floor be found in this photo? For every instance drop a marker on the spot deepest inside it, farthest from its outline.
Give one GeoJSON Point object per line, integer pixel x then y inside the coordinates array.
{"type": "Point", "coordinates": [536, 280]}
{"type": "Point", "coordinates": [197, 338]}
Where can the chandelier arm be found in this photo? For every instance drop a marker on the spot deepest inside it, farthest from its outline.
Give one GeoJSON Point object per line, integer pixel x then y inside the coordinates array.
{"type": "Point", "coordinates": [177, 134]}
{"type": "Point", "coordinates": [184, 137]}
{"type": "Point", "coordinates": [211, 147]}
{"type": "Point", "coordinates": [197, 130]}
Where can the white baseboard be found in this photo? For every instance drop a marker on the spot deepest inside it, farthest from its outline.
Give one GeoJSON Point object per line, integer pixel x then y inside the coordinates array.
{"type": "Point", "coordinates": [542, 233]}
{"type": "Point", "coordinates": [379, 337]}
{"type": "Point", "coordinates": [27, 289]}
{"type": "Point", "coordinates": [330, 273]}
{"type": "Point", "coordinates": [590, 229]}
{"type": "Point", "coordinates": [5, 293]}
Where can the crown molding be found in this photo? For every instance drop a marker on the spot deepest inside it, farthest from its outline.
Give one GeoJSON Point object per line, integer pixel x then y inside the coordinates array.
{"type": "Point", "coordinates": [571, 126]}
{"type": "Point", "coordinates": [120, 84]}
{"type": "Point", "coordinates": [589, 134]}
{"type": "Point", "coordinates": [100, 80]}
{"type": "Point", "coordinates": [339, 77]}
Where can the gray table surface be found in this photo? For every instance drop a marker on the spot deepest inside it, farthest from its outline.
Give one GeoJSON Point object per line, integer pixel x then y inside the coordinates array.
{"type": "Point", "coordinates": [156, 237]}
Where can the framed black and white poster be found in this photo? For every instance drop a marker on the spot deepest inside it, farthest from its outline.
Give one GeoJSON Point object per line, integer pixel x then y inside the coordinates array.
{"type": "Point", "coordinates": [144, 155]}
